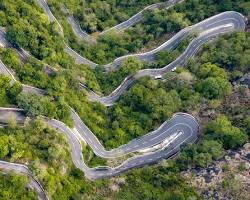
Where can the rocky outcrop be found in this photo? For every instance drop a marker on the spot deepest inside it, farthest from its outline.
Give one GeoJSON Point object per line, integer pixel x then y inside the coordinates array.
{"type": "Point", "coordinates": [227, 178]}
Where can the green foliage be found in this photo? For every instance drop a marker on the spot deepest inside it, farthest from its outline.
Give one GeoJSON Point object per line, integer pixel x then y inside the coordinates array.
{"type": "Point", "coordinates": [200, 155]}
{"type": "Point", "coordinates": [242, 167]}
{"type": "Point", "coordinates": [44, 42]}
{"type": "Point", "coordinates": [247, 123]}
{"type": "Point", "coordinates": [222, 130]}
{"type": "Point", "coordinates": [155, 183]}
{"type": "Point", "coordinates": [4, 150]}
{"type": "Point", "coordinates": [14, 187]}
{"type": "Point", "coordinates": [98, 15]}
{"type": "Point", "coordinates": [108, 81]}
{"type": "Point", "coordinates": [28, 27]}
{"type": "Point", "coordinates": [90, 159]}
{"type": "Point", "coordinates": [140, 110]}
{"type": "Point", "coordinates": [8, 92]}
{"type": "Point", "coordinates": [47, 153]}
{"type": "Point", "coordinates": [212, 147]}
{"type": "Point", "coordinates": [213, 81]}
{"type": "Point", "coordinates": [32, 104]}
{"type": "Point", "coordinates": [213, 88]}
{"type": "Point", "coordinates": [229, 52]}
{"type": "Point", "coordinates": [225, 167]}
{"type": "Point", "coordinates": [203, 159]}
{"type": "Point", "coordinates": [144, 106]}
{"type": "Point", "coordinates": [155, 24]}
{"type": "Point", "coordinates": [165, 57]}
{"type": "Point", "coordinates": [14, 91]}
{"type": "Point", "coordinates": [57, 86]}
{"type": "Point", "coordinates": [35, 105]}
{"type": "Point", "coordinates": [4, 84]}
{"type": "Point", "coordinates": [10, 58]}
{"type": "Point", "coordinates": [209, 70]}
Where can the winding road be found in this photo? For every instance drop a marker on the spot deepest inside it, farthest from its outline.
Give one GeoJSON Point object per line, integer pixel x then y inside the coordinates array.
{"type": "Point", "coordinates": [24, 170]}
{"type": "Point", "coordinates": [207, 30]}
{"type": "Point", "coordinates": [164, 142]}
{"type": "Point", "coordinates": [130, 22]}
{"type": "Point", "coordinates": [219, 21]}
{"type": "Point", "coordinates": [119, 27]}
{"type": "Point", "coordinates": [150, 148]}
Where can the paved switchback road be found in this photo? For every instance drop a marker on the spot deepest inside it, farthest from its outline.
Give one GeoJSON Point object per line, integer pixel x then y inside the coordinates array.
{"type": "Point", "coordinates": [84, 133]}
{"type": "Point", "coordinates": [218, 20]}
{"type": "Point", "coordinates": [115, 64]}
{"type": "Point", "coordinates": [119, 27]}
{"type": "Point", "coordinates": [208, 29]}
{"type": "Point", "coordinates": [168, 138]}
{"type": "Point", "coordinates": [23, 170]}
{"type": "Point", "coordinates": [161, 143]}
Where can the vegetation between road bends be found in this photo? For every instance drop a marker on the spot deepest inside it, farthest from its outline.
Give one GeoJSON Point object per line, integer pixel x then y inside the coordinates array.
{"type": "Point", "coordinates": [206, 80]}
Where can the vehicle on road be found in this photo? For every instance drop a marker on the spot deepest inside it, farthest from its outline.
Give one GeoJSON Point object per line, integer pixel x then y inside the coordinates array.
{"type": "Point", "coordinates": [158, 77]}
{"type": "Point", "coordinates": [172, 70]}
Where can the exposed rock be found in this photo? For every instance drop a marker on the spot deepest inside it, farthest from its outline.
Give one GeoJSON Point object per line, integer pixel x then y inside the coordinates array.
{"type": "Point", "coordinates": [237, 156]}
{"type": "Point", "coordinates": [227, 158]}
{"type": "Point", "coordinates": [245, 80]}
{"type": "Point", "coordinates": [231, 184]}
{"type": "Point", "coordinates": [116, 184]}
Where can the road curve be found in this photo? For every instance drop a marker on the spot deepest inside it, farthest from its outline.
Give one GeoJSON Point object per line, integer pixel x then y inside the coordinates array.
{"type": "Point", "coordinates": [154, 143]}
{"type": "Point", "coordinates": [88, 136]}
{"type": "Point", "coordinates": [24, 170]}
{"type": "Point", "coordinates": [209, 29]}
{"type": "Point", "coordinates": [210, 23]}
{"type": "Point", "coordinates": [162, 143]}
{"type": "Point", "coordinates": [119, 27]}
{"type": "Point", "coordinates": [117, 62]}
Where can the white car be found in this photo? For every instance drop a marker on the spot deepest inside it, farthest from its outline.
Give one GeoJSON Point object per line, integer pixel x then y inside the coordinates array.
{"type": "Point", "coordinates": [158, 77]}
{"type": "Point", "coordinates": [173, 69]}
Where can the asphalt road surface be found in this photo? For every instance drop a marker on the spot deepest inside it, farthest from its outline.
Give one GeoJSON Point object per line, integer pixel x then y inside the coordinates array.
{"type": "Point", "coordinates": [207, 30]}
{"type": "Point", "coordinates": [183, 125]}
{"type": "Point", "coordinates": [23, 170]}
{"type": "Point", "coordinates": [130, 22]}
{"type": "Point", "coordinates": [181, 122]}
{"type": "Point", "coordinates": [119, 27]}
{"type": "Point", "coordinates": [162, 143]}
{"type": "Point", "coordinates": [220, 20]}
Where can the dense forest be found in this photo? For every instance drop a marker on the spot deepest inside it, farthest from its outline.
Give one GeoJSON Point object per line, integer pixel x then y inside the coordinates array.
{"type": "Point", "coordinates": [209, 81]}
{"type": "Point", "coordinates": [95, 16]}
{"type": "Point", "coordinates": [47, 153]}
{"type": "Point", "coordinates": [155, 25]}
{"type": "Point", "coordinates": [139, 110]}
{"type": "Point", "coordinates": [13, 186]}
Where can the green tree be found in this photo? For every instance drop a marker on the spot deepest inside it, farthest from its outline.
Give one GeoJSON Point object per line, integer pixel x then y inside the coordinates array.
{"type": "Point", "coordinates": [203, 159]}
{"type": "Point", "coordinates": [4, 146]}
{"type": "Point", "coordinates": [212, 147]}
{"type": "Point", "coordinates": [222, 130]}
{"type": "Point", "coordinates": [11, 59]}
{"type": "Point", "coordinates": [14, 187]}
{"type": "Point", "coordinates": [214, 88]}
{"type": "Point", "coordinates": [57, 86]}
{"type": "Point", "coordinates": [14, 91]}
{"type": "Point", "coordinates": [131, 65]}
{"type": "Point", "coordinates": [31, 103]}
